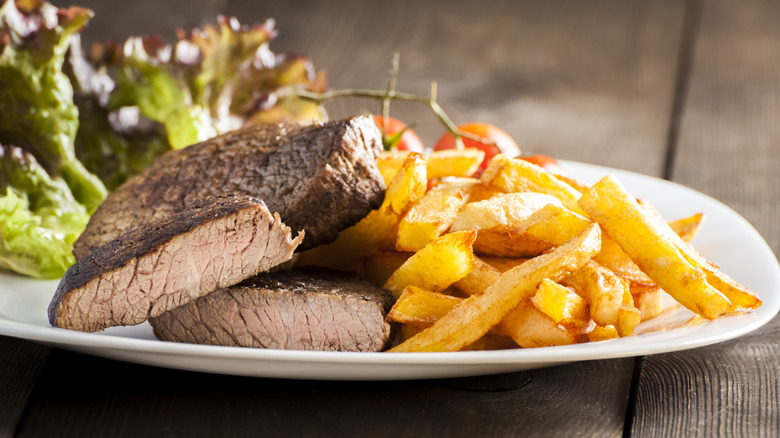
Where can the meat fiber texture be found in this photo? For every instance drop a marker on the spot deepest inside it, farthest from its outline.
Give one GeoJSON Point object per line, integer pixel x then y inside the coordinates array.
{"type": "Point", "coordinates": [169, 262]}
{"type": "Point", "coordinates": [320, 178]}
{"type": "Point", "coordinates": [300, 309]}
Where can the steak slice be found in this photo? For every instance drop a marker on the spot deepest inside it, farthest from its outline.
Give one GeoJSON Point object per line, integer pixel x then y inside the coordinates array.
{"type": "Point", "coordinates": [169, 262]}
{"type": "Point", "coordinates": [320, 178]}
{"type": "Point", "coordinates": [299, 309]}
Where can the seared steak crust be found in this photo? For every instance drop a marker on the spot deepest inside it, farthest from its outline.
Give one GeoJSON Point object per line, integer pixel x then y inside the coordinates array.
{"type": "Point", "coordinates": [166, 263]}
{"type": "Point", "coordinates": [300, 309]}
{"type": "Point", "coordinates": [321, 178]}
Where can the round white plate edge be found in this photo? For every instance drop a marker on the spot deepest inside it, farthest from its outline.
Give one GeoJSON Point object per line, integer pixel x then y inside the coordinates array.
{"type": "Point", "coordinates": [384, 366]}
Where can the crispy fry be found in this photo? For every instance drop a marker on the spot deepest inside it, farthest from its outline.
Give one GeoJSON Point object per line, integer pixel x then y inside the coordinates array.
{"type": "Point", "coordinates": [474, 316]}
{"type": "Point", "coordinates": [516, 175]}
{"type": "Point", "coordinates": [432, 214]}
{"type": "Point", "coordinates": [628, 316]}
{"type": "Point", "coordinates": [478, 280]}
{"type": "Point", "coordinates": [642, 238]}
{"type": "Point", "coordinates": [435, 267]}
{"type": "Point", "coordinates": [561, 304]}
{"type": "Point", "coordinates": [531, 328]}
{"type": "Point", "coordinates": [454, 162]}
{"type": "Point", "coordinates": [648, 299]}
{"type": "Point", "coordinates": [555, 224]}
{"type": "Point", "coordinates": [501, 212]}
{"type": "Point", "coordinates": [380, 227]}
{"type": "Point", "coordinates": [602, 333]}
{"type": "Point", "coordinates": [739, 296]}
{"type": "Point", "coordinates": [503, 264]}
{"type": "Point", "coordinates": [441, 164]}
{"type": "Point", "coordinates": [420, 307]}
{"type": "Point", "coordinates": [508, 244]}
{"type": "Point", "coordinates": [601, 288]}
{"type": "Point", "coordinates": [687, 227]}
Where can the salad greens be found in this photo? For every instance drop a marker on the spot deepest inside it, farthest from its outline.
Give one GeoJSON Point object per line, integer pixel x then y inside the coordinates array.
{"type": "Point", "coordinates": [74, 126]}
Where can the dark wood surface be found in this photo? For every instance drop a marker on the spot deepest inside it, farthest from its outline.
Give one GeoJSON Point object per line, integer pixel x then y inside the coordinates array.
{"type": "Point", "coordinates": [684, 90]}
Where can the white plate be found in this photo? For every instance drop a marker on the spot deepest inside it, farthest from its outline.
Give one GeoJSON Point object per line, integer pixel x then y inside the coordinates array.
{"type": "Point", "coordinates": [726, 239]}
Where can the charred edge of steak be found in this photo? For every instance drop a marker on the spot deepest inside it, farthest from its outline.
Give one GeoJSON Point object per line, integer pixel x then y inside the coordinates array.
{"type": "Point", "coordinates": [303, 309]}
{"type": "Point", "coordinates": [320, 178]}
{"type": "Point", "coordinates": [142, 249]}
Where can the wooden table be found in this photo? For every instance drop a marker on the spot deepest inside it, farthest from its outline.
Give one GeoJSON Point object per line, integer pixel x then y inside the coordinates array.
{"type": "Point", "coordinates": [688, 91]}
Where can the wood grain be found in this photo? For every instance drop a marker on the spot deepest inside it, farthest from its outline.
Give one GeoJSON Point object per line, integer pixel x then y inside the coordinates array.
{"type": "Point", "coordinates": [20, 362]}
{"type": "Point", "coordinates": [728, 148]}
{"type": "Point", "coordinates": [85, 396]}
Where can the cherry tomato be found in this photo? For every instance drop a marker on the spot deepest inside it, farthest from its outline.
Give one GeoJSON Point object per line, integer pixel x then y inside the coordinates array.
{"type": "Point", "coordinates": [409, 140]}
{"type": "Point", "coordinates": [504, 144]}
{"type": "Point", "coordinates": [547, 162]}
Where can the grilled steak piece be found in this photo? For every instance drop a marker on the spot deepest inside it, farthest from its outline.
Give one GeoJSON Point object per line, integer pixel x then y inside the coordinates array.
{"type": "Point", "coordinates": [167, 263]}
{"type": "Point", "coordinates": [320, 178]}
{"type": "Point", "coordinates": [300, 309]}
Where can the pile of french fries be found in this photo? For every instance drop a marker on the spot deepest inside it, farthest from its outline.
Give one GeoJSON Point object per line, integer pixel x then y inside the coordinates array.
{"type": "Point", "coordinates": [521, 256]}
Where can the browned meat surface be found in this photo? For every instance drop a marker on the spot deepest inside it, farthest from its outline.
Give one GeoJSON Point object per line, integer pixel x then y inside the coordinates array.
{"type": "Point", "coordinates": [302, 309]}
{"type": "Point", "coordinates": [169, 262]}
{"type": "Point", "coordinates": [321, 178]}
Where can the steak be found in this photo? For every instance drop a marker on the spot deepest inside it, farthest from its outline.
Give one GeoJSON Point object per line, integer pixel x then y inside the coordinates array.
{"type": "Point", "coordinates": [169, 262]}
{"type": "Point", "coordinates": [300, 309]}
{"type": "Point", "coordinates": [320, 178]}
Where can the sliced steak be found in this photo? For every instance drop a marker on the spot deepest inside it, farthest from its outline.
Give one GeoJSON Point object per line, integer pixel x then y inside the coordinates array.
{"type": "Point", "coordinates": [301, 309]}
{"type": "Point", "coordinates": [320, 178]}
{"type": "Point", "coordinates": [167, 263]}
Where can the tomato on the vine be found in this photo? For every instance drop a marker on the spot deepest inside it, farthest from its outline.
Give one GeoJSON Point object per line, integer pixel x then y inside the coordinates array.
{"type": "Point", "coordinates": [503, 142]}
{"type": "Point", "coordinates": [408, 140]}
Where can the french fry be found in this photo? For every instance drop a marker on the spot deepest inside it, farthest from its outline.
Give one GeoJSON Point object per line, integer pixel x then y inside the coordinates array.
{"type": "Point", "coordinates": [508, 244]}
{"type": "Point", "coordinates": [628, 316]}
{"type": "Point", "coordinates": [479, 279]}
{"type": "Point", "coordinates": [420, 307]}
{"type": "Point", "coordinates": [441, 164]}
{"type": "Point", "coordinates": [601, 288]}
{"type": "Point", "coordinates": [642, 238]}
{"type": "Point", "coordinates": [739, 296]}
{"type": "Point", "coordinates": [555, 224]}
{"type": "Point", "coordinates": [503, 264]}
{"type": "Point", "coordinates": [648, 299]}
{"type": "Point", "coordinates": [532, 328]}
{"type": "Point", "coordinates": [501, 212]}
{"type": "Point", "coordinates": [613, 258]}
{"type": "Point", "coordinates": [602, 333]}
{"type": "Point", "coordinates": [516, 175]}
{"type": "Point", "coordinates": [476, 315]}
{"type": "Point", "coordinates": [561, 304]}
{"type": "Point", "coordinates": [433, 214]}
{"type": "Point", "coordinates": [379, 229]}
{"type": "Point", "coordinates": [378, 267]}
{"type": "Point", "coordinates": [687, 227]}
{"type": "Point", "coordinates": [454, 162]}
{"type": "Point", "coordinates": [435, 267]}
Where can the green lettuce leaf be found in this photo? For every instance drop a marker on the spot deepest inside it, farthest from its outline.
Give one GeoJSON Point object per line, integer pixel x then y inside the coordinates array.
{"type": "Point", "coordinates": [36, 97]}
{"type": "Point", "coordinates": [39, 217]}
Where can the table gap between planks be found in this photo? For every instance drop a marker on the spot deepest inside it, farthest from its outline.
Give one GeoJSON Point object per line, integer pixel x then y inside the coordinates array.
{"type": "Point", "coordinates": [596, 82]}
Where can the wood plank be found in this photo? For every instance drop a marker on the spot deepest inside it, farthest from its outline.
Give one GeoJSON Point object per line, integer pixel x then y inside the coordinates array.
{"type": "Point", "coordinates": [728, 148]}
{"type": "Point", "coordinates": [21, 361]}
{"type": "Point", "coordinates": [83, 396]}
{"type": "Point", "coordinates": [586, 81]}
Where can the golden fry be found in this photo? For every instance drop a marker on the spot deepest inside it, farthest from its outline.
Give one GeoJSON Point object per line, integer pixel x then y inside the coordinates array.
{"type": "Point", "coordinates": [561, 304]}
{"type": "Point", "coordinates": [420, 307]}
{"type": "Point", "coordinates": [642, 238]}
{"type": "Point", "coordinates": [476, 315]}
{"type": "Point", "coordinates": [478, 280]}
{"type": "Point", "coordinates": [378, 267]}
{"type": "Point", "coordinates": [435, 267]}
{"type": "Point", "coordinates": [532, 328]}
{"type": "Point", "coordinates": [516, 175]}
{"type": "Point", "coordinates": [433, 214]}
{"type": "Point", "coordinates": [601, 288]}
